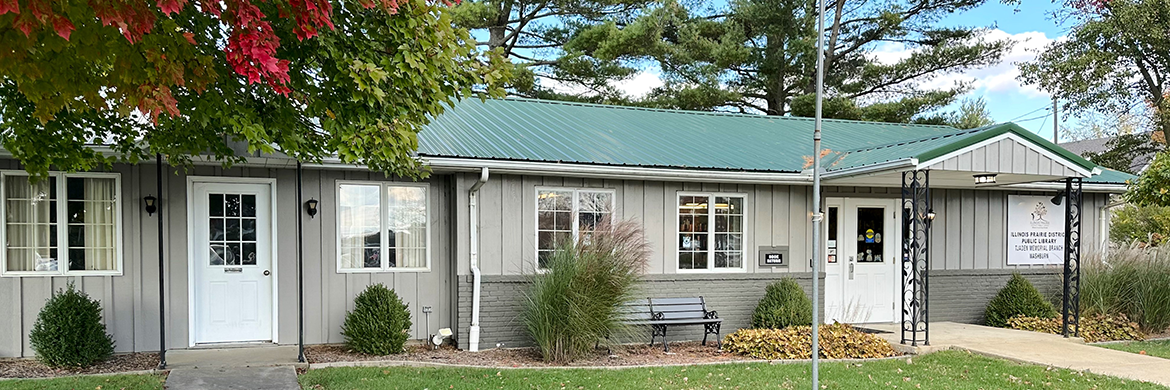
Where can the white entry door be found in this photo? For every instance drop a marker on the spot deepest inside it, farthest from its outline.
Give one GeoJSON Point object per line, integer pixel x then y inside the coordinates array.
{"type": "Point", "coordinates": [231, 238]}
{"type": "Point", "coordinates": [862, 261]}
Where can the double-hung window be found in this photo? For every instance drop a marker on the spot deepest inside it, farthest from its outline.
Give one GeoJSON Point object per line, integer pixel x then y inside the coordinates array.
{"type": "Point", "coordinates": [566, 215]}
{"type": "Point", "coordinates": [382, 227]}
{"type": "Point", "coordinates": [710, 231]}
{"type": "Point", "coordinates": [63, 224]}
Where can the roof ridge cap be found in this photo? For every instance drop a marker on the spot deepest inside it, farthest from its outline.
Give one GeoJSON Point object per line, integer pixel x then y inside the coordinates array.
{"type": "Point", "coordinates": [923, 139]}
{"type": "Point", "coordinates": [712, 113]}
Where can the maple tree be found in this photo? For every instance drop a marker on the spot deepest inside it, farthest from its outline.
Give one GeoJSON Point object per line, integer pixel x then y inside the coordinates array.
{"type": "Point", "coordinates": [356, 79]}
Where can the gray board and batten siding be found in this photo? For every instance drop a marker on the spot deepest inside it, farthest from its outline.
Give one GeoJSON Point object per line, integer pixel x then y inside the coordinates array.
{"type": "Point", "coordinates": [130, 300]}
{"type": "Point", "coordinates": [968, 245]}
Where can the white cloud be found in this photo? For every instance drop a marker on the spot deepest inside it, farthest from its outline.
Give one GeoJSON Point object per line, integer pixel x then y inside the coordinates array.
{"type": "Point", "coordinates": [995, 79]}
{"type": "Point", "coordinates": [635, 87]}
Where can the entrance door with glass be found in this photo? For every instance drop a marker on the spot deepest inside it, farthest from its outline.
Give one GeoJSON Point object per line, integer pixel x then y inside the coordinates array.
{"type": "Point", "coordinates": [862, 257]}
{"type": "Point", "coordinates": [231, 239]}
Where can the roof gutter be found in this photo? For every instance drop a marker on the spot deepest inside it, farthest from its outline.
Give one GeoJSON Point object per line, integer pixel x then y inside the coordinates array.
{"type": "Point", "coordinates": [473, 218]}
{"type": "Point", "coordinates": [614, 172]}
{"type": "Point", "coordinates": [1051, 186]}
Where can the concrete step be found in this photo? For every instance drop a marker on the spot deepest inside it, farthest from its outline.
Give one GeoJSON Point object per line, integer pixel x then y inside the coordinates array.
{"type": "Point", "coordinates": [247, 378]}
{"type": "Point", "coordinates": [265, 355]}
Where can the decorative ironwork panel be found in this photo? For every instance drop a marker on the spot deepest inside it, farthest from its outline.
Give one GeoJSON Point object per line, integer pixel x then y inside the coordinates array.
{"type": "Point", "coordinates": [1071, 313]}
{"type": "Point", "coordinates": [916, 213]}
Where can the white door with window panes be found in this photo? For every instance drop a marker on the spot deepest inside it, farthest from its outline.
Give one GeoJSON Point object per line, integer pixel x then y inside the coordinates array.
{"type": "Point", "coordinates": [710, 232]}
{"type": "Point", "coordinates": [231, 233]}
{"type": "Point", "coordinates": [863, 249]}
{"type": "Point", "coordinates": [566, 216]}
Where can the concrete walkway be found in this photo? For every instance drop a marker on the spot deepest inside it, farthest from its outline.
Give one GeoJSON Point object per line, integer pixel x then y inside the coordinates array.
{"type": "Point", "coordinates": [262, 368]}
{"type": "Point", "coordinates": [1039, 348]}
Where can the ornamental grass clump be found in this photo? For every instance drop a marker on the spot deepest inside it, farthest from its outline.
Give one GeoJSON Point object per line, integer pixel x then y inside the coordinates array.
{"type": "Point", "coordinates": [69, 331]}
{"type": "Point", "coordinates": [379, 323]}
{"type": "Point", "coordinates": [1133, 280]}
{"type": "Point", "coordinates": [1018, 298]}
{"type": "Point", "coordinates": [836, 341]}
{"type": "Point", "coordinates": [577, 302]}
{"type": "Point", "coordinates": [784, 304]}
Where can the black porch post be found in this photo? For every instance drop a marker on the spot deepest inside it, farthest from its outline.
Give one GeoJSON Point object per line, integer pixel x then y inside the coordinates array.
{"type": "Point", "coordinates": [917, 215]}
{"type": "Point", "coordinates": [162, 297]}
{"type": "Point", "coordinates": [1071, 298]}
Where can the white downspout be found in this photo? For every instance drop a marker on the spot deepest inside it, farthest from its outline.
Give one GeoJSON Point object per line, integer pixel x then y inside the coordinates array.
{"type": "Point", "coordinates": [473, 218]}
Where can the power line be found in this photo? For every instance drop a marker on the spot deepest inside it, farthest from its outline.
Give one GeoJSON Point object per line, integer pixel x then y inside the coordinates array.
{"type": "Point", "coordinates": [1028, 113]}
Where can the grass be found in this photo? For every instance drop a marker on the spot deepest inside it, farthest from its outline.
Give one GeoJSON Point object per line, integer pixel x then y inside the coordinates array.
{"type": "Point", "coordinates": [117, 382]}
{"type": "Point", "coordinates": [942, 370]}
{"type": "Point", "coordinates": [1159, 348]}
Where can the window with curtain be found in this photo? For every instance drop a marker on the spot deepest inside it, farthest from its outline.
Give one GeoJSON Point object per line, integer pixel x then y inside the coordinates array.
{"type": "Point", "coordinates": [62, 224]}
{"type": "Point", "coordinates": [566, 215]}
{"type": "Point", "coordinates": [382, 227]}
{"type": "Point", "coordinates": [710, 232]}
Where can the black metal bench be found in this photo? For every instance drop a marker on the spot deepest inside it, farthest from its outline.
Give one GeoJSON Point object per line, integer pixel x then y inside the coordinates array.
{"type": "Point", "coordinates": [663, 313]}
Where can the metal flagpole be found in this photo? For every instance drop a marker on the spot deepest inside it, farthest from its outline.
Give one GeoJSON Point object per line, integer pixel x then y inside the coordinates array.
{"type": "Point", "coordinates": [816, 215]}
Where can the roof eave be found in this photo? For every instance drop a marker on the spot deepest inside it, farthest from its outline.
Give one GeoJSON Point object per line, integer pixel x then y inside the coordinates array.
{"type": "Point", "coordinates": [452, 164]}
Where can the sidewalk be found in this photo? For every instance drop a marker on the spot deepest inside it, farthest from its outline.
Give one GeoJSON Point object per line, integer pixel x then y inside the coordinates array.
{"type": "Point", "coordinates": [1039, 348]}
{"type": "Point", "coordinates": [256, 368]}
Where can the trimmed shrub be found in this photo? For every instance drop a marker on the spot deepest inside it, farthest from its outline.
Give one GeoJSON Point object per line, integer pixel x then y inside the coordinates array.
{"type": "Point", "coordinates": [69, 331]}
{"type": "Point", "coordinates": [1017, 298]}
{"type": "Point", "coordinates": [1094, 328]}
{"type": "Point", "coordinates": [784, 304]}
{"type": "Point", "coordinates": [578, 302]}
{"type": "Point", "coordinates": [837, 341]}
{"type": "Point", "coordinates": [1133, 280]}
{"type": "Point", "coordinates": [379, 323]}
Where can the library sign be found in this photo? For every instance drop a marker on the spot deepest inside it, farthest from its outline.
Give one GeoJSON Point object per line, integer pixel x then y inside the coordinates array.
{"type": "Point", "coordinates": [1035, 230]}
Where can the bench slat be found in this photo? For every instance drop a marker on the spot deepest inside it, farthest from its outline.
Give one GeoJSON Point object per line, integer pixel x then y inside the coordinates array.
{"type": "Point", "coordinates": [676, 301]}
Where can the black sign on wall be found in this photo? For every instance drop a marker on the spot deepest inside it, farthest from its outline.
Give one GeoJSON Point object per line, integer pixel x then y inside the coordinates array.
{"type": "Point", "coordinates": [774, 256]}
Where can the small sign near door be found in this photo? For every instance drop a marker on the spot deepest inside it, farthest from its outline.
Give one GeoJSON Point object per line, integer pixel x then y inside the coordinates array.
{"type": "Point", "coordinates": [774, 256]}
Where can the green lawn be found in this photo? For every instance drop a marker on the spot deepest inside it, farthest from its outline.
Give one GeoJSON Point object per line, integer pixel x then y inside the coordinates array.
{"type": "Point", "coordinates": [943, 370]}
{"type": "Point", "coordinates": [1159, 348]}
{"type": "Point", "coordinates": [110, 382]}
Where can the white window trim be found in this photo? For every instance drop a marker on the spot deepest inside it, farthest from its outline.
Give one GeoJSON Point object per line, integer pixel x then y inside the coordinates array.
{"type": "Point", "coordinates": [62, 234]}
{"type": "Point", "coordinates": [747, 254]}
{"type": "Point", "coordinates": [576, 221]}
{"type": "Point", "coordinates": [383, 206]}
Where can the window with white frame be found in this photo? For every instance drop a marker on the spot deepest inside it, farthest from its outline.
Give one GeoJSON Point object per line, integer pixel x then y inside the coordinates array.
{"type": "Point", "coordinates": [63, 224]}
{"type": "Point", "coordinates": [565, 215]}
{"type": "Point", "coordinates": [710, 231]}
{"type": "Point", "coordinates": [382, 227]}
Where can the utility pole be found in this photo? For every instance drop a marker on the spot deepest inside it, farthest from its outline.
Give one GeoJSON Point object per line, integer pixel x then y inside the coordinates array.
{"type": "Point", "coordinates": [816, 194]}
{"type": "Point", "coordinates": [1055, 123]}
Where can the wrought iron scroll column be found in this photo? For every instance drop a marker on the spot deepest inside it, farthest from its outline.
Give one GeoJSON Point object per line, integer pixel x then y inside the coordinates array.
{"type": "Point", "coordinates": [916, 212]}
{"type": "Point", "coordinates": [1071, 313]}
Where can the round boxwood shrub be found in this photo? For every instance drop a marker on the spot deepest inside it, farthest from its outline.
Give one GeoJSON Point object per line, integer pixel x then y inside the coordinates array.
{"type": "Point", "coordinates": [784, 304]}
{"type": "Point", "coordinates": [69, 331]}
{"type": "Point", "coordinates": [379, 323]}
{"type": "Point", "coordinates": [1017, 298]}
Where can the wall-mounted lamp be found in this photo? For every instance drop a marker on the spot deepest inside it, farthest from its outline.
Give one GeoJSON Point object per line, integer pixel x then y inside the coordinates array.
{"type": "Point", "coordinates": [988, 178]}
{"type": "Point", "coordinates": [311, 207]}
{"type": "Point", "coordinates": [930, 215]}
{"type": "Point", "coordinates": [1056, 199]}
{"type": "Point", "coordinates": [151, 204]}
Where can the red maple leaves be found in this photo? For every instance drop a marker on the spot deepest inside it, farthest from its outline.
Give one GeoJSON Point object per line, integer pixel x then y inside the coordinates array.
{"type": "Point", "coordinates": [251, 46]}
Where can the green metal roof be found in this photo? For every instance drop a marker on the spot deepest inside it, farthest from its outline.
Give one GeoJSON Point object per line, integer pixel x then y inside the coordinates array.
{"type": "Point", "coordinates": [551, 131]}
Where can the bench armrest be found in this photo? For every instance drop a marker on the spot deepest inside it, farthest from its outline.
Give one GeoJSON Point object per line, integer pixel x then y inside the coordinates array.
{"type": "Point", "coordinates": [657, 315]}
{"type": "Point", "coordinates": [710, 314]}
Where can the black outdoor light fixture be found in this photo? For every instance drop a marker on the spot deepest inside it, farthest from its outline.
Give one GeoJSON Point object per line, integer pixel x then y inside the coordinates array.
{"type": "Point", "coordinates": [151, 204]}
{"type": "Point", "coordinates": [311, 207]}
{"type": "Point", "coordinates": [1056, 199]}
{"type": "Point", "coordinates": [930, 215]}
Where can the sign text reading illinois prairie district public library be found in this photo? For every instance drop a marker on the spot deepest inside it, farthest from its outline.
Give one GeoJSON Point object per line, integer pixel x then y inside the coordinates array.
{"type": "Point", "coordinates": [1035, 230]}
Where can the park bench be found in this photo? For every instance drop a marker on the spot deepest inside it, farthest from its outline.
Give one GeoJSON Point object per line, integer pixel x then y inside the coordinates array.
{"type": "Point", "coordinates": [662, 313]}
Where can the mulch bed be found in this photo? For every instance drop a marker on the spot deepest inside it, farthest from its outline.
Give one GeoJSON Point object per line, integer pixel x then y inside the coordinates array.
{"type": "Point", "coordinates": [625, 355]}
{"type": "Point", "coordinates": [30, 368]}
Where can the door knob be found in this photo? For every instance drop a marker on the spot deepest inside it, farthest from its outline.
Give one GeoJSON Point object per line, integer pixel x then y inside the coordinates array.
{"type": "Point", "coordinates": [266, 273]}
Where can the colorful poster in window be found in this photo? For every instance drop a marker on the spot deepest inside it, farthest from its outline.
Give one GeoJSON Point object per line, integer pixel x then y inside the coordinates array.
{"type": "Point", "coordinates": [1035, 230]}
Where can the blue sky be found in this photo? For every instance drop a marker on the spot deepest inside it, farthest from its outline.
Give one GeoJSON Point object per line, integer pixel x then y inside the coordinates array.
{"type": "Point", "coordinates": [1032, 20]}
